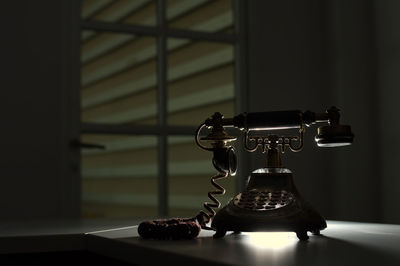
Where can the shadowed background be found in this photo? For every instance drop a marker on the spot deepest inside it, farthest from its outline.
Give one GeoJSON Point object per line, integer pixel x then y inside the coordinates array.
{"type": "Point", "coordinates": [301, 55]}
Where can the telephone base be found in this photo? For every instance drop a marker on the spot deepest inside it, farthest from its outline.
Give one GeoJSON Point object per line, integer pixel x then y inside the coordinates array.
{"type": "Point", "coordinates": [270, 203]}
{"type": "Point", "coordinates": [300, 224]}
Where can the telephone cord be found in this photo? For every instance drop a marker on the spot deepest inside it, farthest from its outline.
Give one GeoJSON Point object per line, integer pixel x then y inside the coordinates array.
{"type": "Point", "coordinates": [203, 218]}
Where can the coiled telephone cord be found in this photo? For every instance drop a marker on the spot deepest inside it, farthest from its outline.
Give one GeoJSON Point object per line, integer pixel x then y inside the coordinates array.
{"type": "Point", "coordinates": [204, 218]}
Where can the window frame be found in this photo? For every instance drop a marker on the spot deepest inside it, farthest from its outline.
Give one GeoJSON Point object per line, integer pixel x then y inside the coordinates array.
{"type": "Point", "coordinates": [162, 130]}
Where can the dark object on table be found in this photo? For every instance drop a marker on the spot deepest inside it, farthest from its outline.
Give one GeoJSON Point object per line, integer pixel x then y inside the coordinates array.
{"type": "Point", "coordinates": [177, 228]}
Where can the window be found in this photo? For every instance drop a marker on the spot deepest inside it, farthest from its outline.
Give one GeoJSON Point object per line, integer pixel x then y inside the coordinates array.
{"type": "Point", "coordinates": [151, 72]}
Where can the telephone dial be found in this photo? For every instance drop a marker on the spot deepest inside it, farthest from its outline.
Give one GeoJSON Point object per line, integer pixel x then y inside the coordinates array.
{"type": "Point", "coordinates": [270, 201]}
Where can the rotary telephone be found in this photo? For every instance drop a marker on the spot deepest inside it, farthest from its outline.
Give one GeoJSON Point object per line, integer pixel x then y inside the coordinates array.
{"type": "Point", "coordinates": [270, 201]}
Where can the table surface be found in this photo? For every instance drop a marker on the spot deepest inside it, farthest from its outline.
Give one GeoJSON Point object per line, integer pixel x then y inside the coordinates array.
{"type": "Point", "coordinates": [342, 243]}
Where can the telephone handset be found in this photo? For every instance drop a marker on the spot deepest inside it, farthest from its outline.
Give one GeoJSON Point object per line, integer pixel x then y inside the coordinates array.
{"type": "Point", "coordinates": [270, 201]}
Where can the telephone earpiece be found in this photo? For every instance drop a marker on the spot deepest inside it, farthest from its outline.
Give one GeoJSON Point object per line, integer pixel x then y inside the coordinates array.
{"type": "Point", "coordinates": [225, 159]}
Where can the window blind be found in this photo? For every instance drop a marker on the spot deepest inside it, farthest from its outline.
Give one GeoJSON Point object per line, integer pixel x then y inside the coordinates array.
{"type": "Point", "coordinates": [118, 86]}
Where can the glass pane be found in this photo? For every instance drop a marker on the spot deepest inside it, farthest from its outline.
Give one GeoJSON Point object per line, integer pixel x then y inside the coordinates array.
{"type": "Point", "coordinates": [200, 15]}
{"type": "Point", "coordinates": [200, 80]}
{"type": "Point", "coordinates": [118, 79]}
{"type": "Point", "coordinates": [120, 181]}
{"type": "Point", "coordinates": [141, 12]}
{"type": "Point", "coordinates": [190, 171]}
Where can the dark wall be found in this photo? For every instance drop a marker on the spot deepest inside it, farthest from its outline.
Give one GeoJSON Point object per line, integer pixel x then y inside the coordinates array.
{"type": "Point", "coordinates": [39, 177]}
{"type": "Point", "coordinates": [314, 54]}
{"type": "Point", "coordinates": [353, 76]}
{"type": "Point", "coordinates": [388, 82]}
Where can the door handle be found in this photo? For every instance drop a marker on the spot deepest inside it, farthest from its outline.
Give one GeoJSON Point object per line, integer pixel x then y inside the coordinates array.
{"type": "Point", "coordinates": [82, 145]}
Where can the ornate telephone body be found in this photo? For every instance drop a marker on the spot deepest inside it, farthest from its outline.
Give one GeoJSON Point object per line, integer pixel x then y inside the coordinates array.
{"type": "Point", "coordinates": [270, 201]}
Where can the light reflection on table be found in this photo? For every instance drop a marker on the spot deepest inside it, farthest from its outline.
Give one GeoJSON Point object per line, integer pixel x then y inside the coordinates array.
{"type": "Point", "coordinates": [269, 240]}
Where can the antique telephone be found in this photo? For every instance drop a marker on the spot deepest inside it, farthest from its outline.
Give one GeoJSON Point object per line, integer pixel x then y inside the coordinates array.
{"type": "Point", "coordinates": [271, 201]}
